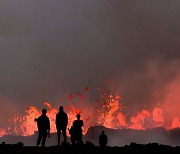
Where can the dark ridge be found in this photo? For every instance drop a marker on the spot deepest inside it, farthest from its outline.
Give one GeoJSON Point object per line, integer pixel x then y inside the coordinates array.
{"type": "Point", "coordinates": [116, 137]}
{"type": "Point", "coordinates": [86, 149]}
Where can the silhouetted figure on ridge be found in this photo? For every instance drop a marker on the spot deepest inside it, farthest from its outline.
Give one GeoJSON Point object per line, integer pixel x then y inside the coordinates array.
{"type": "Point", "coordinates": [77, 124]}
{"type": "Point", "coordinates": [43, 124]}
{"type": "Point", "coordinates": [61, 124]}
{"type": "Point", "coordinates": [103, 140]}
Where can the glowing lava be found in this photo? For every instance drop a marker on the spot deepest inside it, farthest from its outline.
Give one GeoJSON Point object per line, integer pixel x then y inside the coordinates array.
{"type": "Point", "coordinates": [106, 111]}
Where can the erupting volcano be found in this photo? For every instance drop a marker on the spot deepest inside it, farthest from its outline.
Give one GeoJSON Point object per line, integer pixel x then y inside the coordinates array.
{"type": "Point", "coordinates": [106, 111]}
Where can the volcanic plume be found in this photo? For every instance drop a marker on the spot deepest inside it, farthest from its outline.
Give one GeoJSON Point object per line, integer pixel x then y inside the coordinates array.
{"type": "Point", "coordinates": [114, 62]}
{"type": "Point", "coordinates": [106, 111]}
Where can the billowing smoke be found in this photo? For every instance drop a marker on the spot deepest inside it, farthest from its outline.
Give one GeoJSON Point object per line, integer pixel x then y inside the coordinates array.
{"type": "Point", "coordinates": [49, 49]}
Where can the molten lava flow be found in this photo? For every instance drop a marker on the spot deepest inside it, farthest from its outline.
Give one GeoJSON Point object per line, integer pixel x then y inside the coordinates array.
{"type": "Point", "coordinates": [25, 124]}
{"type": "Point", "coordinates": [107, 111]}
{"type": "Point", "coordinates": [176, 122]}
{"type": "Point", "coordinates": [111, 117]}
{"type": "Point", "coordinates": [141, 121]}
{"type": "Point", "coordinates": [2, 132]}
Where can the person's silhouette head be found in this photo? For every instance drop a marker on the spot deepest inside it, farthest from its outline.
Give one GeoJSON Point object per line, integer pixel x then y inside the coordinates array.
{"type": "Point", "coordinates": [78, 116]}
{"type": "Point", "coordinates": [44, 111]}
{"type": "Point", "coordinates": [103, 132]}
{"type": "Point", "coordinates": [61, 108]}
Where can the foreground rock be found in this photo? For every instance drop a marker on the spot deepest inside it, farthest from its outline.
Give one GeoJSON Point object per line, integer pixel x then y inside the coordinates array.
{"type": "Point", "coordinates": [86, 149]}
{"type": "Point", "coordinates": [116, 137]}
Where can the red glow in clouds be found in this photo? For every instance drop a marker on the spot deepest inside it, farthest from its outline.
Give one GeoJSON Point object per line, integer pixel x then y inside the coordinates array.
{"type": "Point", "coordinates": [106, 111]}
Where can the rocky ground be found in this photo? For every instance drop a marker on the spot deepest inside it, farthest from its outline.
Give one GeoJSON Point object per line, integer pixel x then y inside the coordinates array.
{"type": "Point", "coordinates": [87, 148]}
{"type": "Point", "coordinates": [116, 137]}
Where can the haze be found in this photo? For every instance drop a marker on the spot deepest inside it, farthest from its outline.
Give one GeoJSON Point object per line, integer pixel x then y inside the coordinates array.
{"type": "Point", "coordinates": [49, 49]}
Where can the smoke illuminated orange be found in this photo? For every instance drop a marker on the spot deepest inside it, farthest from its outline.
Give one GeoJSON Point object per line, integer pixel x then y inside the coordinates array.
{"type": "Point", "coordinates": [106, 111]}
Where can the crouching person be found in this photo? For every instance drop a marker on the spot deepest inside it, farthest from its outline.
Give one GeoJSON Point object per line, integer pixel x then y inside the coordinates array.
{"type": "Point", "coordinates": [72, 135]}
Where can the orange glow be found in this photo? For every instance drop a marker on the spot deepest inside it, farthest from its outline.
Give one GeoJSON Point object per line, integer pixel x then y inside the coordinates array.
{"type": "Point", "coordinates": [107, 111]}
{"type": "Point", "coordinates": [176, 122]}
{"type": "Point", "coordinates": [158, 117]}
{"type": "Point", "coordinates": [141, 120]}
{"type": "Point", "coordinates": [70, 96]}
{"type": "Point", "coordinates": [2, 132]}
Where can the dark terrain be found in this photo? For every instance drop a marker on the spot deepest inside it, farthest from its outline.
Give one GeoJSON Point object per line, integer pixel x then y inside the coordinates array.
{"type": "Point", "coordinates": [87, 149]}
{"type": "Point", "coordinates": [118, 137]}
{"type": "Point", "coordinates": [119, 141]}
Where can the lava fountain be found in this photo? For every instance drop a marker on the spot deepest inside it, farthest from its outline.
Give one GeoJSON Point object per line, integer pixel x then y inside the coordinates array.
{"type": "Point", "coordinates": [106, 111]}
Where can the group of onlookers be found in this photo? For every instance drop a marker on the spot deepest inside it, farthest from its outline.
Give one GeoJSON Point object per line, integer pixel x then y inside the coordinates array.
{"type": "Point", "coordinates": [75, 131]}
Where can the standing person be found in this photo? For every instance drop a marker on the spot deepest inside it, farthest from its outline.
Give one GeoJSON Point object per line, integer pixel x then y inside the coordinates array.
{"type": "Point", "coordinates": [103, 139]}
{"type": "Point", "coordinates": [61, 124]}
{"type": "Point", "coordinates": [43, 124]}
{"type": "Point", "coordinates": [77, 124]}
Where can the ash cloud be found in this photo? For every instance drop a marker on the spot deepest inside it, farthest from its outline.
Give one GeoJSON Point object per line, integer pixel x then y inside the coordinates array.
{"type": "Point", "coordinates": [49, 49]}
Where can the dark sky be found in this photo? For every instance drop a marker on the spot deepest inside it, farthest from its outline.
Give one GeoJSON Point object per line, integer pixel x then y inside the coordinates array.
{"type": "Point", "coordinates": [49, 49]}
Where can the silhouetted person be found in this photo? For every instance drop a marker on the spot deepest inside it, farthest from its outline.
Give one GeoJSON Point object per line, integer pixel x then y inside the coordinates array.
{"type": "Point", "coordinates": [73, 134]}
{"type": "Point", "coordinates": [103, 140]}
{"type": "Point", "coordinates": [61, 124]}
{"type": "Point", "coordinates": [77, 124]}
{"type": "Point", "coordinates": [43, 124]}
